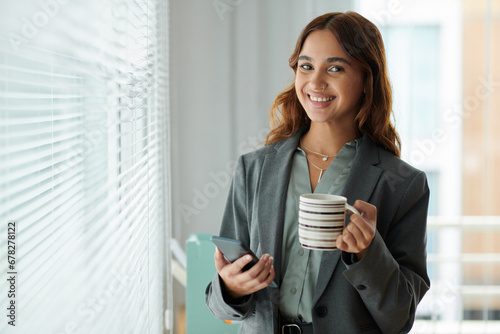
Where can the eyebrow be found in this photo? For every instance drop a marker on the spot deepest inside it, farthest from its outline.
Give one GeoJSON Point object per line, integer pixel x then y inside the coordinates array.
{"type": "Point", "coordinates": [328, 60]}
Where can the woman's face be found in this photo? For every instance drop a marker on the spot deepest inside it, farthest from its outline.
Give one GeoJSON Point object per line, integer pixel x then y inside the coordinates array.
{"type": "Point", "coordinates": [329, 86]}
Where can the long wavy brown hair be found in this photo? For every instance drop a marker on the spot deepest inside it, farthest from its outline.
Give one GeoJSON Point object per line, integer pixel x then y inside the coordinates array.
{"type": "Point", "coordinates": [361, 41]}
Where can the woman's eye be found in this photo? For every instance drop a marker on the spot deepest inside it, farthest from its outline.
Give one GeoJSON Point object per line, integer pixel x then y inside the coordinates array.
{"type": "Point", "coordinates": [306, 67]}
{"type": "Point", "coordinates": [335, 69]}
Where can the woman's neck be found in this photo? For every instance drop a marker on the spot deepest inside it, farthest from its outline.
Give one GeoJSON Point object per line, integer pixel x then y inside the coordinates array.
{"type": "Point", "coordinates": [328, 139]}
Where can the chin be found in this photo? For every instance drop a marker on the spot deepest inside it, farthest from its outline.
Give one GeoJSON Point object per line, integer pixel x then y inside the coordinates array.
{"type": "Point", "coordinates": [319, 117]}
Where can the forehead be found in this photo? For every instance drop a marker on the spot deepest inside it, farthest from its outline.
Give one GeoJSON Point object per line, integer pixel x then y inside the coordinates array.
{"type": "Point", "coordinates": [322, 44]}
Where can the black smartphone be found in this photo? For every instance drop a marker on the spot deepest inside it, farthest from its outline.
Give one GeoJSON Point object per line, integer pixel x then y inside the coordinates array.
{"type": "Point", "coordinates": [234, 249]}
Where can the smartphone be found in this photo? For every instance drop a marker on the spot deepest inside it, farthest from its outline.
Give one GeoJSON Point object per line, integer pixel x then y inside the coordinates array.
{"type": "Point", "coordinates": [234, 249]}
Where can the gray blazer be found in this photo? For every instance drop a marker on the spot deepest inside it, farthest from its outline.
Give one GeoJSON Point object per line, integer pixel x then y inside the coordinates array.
{"type": "Point", "coordinates": [378, 294]}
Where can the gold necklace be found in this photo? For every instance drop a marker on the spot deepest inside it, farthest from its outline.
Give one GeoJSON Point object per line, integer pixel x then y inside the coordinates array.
{"type": "Point", "coordinates": [321, 170]}
{"type": "Point", "coordinates": [325, 156]}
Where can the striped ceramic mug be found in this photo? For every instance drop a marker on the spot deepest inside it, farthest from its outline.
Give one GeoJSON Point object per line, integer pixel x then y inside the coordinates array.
{"type": "Point", "coordinates": [321, 220]}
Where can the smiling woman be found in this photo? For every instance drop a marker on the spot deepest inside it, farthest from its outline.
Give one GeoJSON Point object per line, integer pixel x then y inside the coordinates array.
{"type": "Point", "coordinates": [332, 133]}
{"type": "Point", "coordinates": [360, 46]}
{"type": "Point", "coordinates": [328, 92]}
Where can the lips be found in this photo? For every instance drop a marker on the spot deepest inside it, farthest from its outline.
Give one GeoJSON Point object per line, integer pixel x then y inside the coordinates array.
{"type": "Point", "coordinates": [320, 99]}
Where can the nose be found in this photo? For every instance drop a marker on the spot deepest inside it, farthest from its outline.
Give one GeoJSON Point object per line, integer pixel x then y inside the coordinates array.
{"type": "Point", "coordinates": [318, 82]}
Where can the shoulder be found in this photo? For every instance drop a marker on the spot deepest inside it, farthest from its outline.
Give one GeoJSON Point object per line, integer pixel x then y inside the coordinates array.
{"type": "Point", "coordinates": [405, 184]}
{"type": "Point", "coordinates": [395, 165]}
{"type": "Point", "coordinates": [276, 150]}
{"type": "Point", "coordinates": [270, 162]}
{"type": "Point", "coordinates": [387, 161]}
{"type": "Point", "coordinates": [400, 187]}
{"type": "Point", "coordinates": [259, 154]}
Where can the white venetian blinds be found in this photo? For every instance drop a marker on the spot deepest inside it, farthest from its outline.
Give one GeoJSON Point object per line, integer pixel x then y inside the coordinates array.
{"type": "Point", "coordinates": [83, 165]}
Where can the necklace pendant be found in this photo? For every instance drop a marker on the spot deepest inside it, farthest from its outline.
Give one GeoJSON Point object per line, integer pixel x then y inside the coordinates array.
{"type": "Point", "coordinates": [325, 158]}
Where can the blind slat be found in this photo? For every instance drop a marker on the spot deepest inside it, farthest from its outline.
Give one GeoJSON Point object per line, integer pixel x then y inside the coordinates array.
{"type": "Point", "coordinates": [80, 121]}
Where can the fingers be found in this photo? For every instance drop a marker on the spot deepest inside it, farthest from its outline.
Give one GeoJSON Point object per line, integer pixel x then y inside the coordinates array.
{"type": "Point", "coordinates": [365, 224]}
{"type": "Point", "coordinates": [220, 260]}
{"type": "Point", "coordinates": [360, 229]}
{"type": "Point", "coordinates": [239, 283]}
{"type": "Point", "coordinates": [239, 264]}
{"type": "Point", "coordinates": [356, 235]}
{"type": "Point", "coordinates": [341, 244]}
{"type": "Point", "coordinates": [359, 233]}
{"type": "Point", "coordinates": [270, 277]}
{"type": "Point", "coordinates": [367, 210]}
{"type": "Point", "coordinates": [260, 273]}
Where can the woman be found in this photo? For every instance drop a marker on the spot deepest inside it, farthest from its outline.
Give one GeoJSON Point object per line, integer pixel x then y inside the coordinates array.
{"type": "Point", "coordinates": [332, 133]}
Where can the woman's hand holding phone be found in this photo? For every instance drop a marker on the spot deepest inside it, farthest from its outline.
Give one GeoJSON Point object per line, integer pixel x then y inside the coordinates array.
{"type": "Point", "coordinates": [240, 283]}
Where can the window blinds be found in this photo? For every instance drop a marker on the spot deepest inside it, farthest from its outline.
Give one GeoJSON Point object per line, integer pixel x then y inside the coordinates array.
{"type": "Point", "coordinates": [83, 166]}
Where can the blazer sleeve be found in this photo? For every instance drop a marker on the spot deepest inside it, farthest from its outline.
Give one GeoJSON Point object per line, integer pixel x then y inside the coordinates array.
{"type": "Point", "coordinates": [234, 225]}
{"type": "Point", "coordinates": [392, 277]}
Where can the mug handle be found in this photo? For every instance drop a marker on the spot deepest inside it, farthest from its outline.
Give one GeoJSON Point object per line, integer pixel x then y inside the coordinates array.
{"type": "Point", "coordinates": [352, 209]}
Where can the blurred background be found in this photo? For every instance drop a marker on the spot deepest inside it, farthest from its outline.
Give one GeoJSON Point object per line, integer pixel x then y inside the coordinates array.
{"type": "Point", "coordinates": [121, 121]}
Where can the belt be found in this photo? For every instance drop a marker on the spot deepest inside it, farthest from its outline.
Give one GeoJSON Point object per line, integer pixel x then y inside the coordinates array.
{"type": "Point", "coordinates": [292, 327]}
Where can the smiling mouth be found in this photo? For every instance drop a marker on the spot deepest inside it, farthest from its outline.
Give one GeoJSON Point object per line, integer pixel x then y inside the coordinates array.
{"type": "Point", "coordinates": [321, 99]}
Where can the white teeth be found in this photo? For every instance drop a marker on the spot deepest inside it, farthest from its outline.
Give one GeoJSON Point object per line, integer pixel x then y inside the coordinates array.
{"type": "Point", "coordinates": [320, 99]}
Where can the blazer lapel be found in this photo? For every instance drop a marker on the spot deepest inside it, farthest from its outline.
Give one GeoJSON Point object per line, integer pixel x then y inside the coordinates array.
{"type": "Point", "coordinates": [273, 187]}
{"type": "Point", "coordinates": [360, 183]}
{"type": "Point", "coordinates": [364, 174]}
